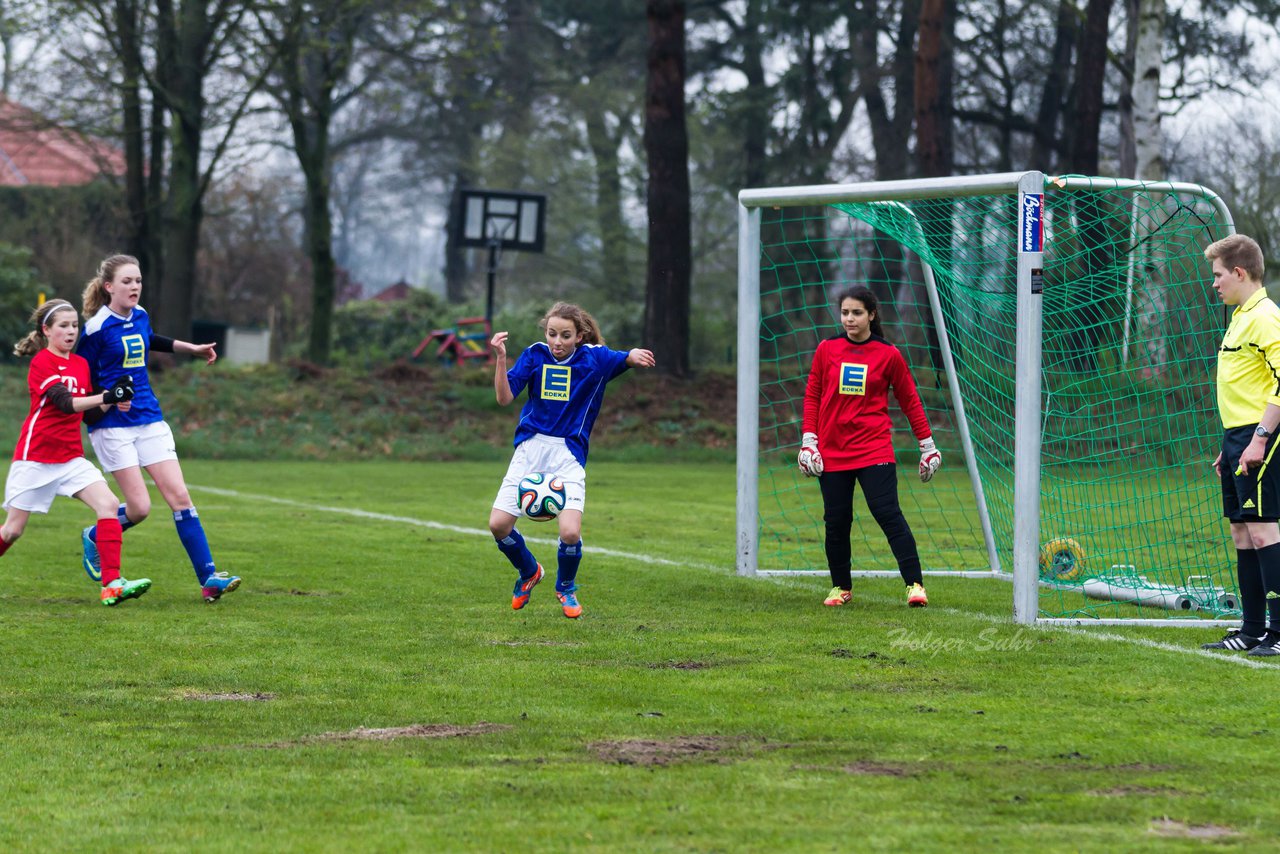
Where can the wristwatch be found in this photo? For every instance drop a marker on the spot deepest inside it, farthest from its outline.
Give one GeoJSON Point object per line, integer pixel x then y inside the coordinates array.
{"type": "Point", "coordinates": [1263, 432]}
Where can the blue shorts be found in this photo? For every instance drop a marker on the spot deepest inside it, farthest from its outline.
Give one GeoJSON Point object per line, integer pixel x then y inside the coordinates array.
{"type": "Point", "coordinates": [1255, 495]}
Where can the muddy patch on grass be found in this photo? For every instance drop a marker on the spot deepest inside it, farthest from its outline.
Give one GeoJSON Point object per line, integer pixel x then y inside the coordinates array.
{"type": "Point", "coordinates": [534, 643]}
{"type": "Point", "coordinates": [229, 696]}
{"type": "Point", "coordinates": [680, 665]}
{"type": "Point", "coordinates": [388, 734]}
{"type": "Point", "coordinates": [865, 768]}
{"type": "Point", "coordinates": [653, 752]}
{"type": "Point", "coordinates": [1136, 791]}
{"type": "Point", "coordinates": [1173, 828]}
{"type": "Point", "coordinates": [411, 731]}
{"type": "Point", "coordinates": [877, 769]}
{"type": "Point", "coordinates": [296, 592]}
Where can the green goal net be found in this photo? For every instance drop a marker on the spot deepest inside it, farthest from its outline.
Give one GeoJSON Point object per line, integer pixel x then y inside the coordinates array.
{"type": "Point", "coordinates": [1129, 523]}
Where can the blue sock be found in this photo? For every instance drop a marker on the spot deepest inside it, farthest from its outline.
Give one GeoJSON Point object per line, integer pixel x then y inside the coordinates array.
{"type": "Point", "coordinates": [125, 524]}
{"type": "Point", "coordinates": [568, 557]}
{"type": "Point", "coordinates": [191, 532]}
{"type": "Point", "coordinates": [518, 553]}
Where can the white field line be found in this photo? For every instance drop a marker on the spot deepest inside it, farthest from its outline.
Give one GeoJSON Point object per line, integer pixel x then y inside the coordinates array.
{"type": "Point", "coordinates": [438, 526]}
{"type": "Point", "coordinates": [1091, 634]}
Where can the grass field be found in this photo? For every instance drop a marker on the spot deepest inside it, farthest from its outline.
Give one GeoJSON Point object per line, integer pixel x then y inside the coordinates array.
{"type": "Point", "coordinates": [369, 688]}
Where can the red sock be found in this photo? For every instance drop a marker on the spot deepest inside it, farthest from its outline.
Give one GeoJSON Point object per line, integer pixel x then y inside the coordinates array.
{"type": "Point", "coordinates": [4, 547]}
{"type": "Point", "coordinates": [109, 536]}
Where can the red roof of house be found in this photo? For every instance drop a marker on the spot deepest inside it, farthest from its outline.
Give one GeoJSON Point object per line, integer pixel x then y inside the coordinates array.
{"type": "Point", "coordinates": [400, 290]}
{"type": "Point", "coordinates": [34, 150]}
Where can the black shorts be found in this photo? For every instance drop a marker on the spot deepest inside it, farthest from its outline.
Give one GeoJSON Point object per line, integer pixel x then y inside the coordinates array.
{"type": "Point", "coordinates": [1255, 495]}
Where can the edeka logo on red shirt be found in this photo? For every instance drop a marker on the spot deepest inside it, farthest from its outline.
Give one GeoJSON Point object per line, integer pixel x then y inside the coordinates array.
{"type": "Point", "coordinates": [853, 378]}
{"type": "Point", "coordinates": [1031, 228]}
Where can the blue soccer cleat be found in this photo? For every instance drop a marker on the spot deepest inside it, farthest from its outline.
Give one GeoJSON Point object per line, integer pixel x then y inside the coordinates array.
{"type": "Point", "coordinates": [569, 602]}
{"type": "Point", "coordinates": [524, 587]}
{"type": "Point", "coordinates": [90, 561]}
{"type": "Point", "coordinates": [217, 584]}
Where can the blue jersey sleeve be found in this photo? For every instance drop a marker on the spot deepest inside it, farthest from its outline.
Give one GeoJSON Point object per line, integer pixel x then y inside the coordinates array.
{"type": "Point", "coordinates": [519, 374]}
{"type": "Point", "coordinates": [614, 362]}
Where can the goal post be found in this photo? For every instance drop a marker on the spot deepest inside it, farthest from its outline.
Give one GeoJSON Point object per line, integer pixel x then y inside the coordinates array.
{"type": "Point", "coordinates": [1062, 334]}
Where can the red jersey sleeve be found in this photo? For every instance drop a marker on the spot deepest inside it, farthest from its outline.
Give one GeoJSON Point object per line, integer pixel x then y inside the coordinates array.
{"type": "Point", "coordinates": [908, 397]}
{"type": "Point", "coordinates": [813, 392]}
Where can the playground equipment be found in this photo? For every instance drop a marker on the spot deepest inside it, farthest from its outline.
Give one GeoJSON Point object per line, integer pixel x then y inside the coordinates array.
{"type": "Point", "coordinates": [467, 339]}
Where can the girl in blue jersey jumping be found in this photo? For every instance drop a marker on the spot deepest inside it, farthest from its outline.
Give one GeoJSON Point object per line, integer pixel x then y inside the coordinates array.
{"type": "Point", "coordinates": [566, 376]}
{"type": "Point", "coordinates": [116, 342]}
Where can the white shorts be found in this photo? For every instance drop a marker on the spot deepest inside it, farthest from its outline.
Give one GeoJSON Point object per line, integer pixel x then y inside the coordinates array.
{"type": "Point", "coordinates": [124, 447]}
{"type": "Point", "coordinates": [33, 486]}
{"type": "Point", "coordinates": [546, 454]}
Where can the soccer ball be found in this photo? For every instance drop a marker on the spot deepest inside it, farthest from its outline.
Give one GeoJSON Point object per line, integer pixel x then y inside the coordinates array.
{"type": "Point", "coordinates": [541, 495]}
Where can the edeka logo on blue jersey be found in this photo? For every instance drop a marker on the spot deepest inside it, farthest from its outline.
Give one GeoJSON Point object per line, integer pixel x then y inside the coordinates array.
{"type": "Point", "coordinates": [853, 378]}
{"type": "Point", "coordinates": [555, 382]}
{"type": "Point", "coordinates": [135, 351]}
{"type": "Point", "coordinates": [1031, 225]}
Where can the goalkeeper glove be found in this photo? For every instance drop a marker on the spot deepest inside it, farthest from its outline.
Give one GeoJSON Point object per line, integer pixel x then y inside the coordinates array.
{"type": "Point", "coordinates": [930, 459]}
{"type": "Point", "coordinates": [809, 459]}
{"type": "Point", "coordinates": [120, 392]}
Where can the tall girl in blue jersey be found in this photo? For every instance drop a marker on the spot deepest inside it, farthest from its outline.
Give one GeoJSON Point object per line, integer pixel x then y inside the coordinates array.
{"type": "Point", "coordinates": [116, 342]}
{"type": "Point", "coordinates": [566, 376]}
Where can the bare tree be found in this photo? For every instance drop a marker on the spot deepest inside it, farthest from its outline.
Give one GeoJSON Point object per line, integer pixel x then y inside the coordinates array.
{"type": "Point", "coordinates": [666, 145]}
{"type": "Point", "coordinates": [1148, 61]}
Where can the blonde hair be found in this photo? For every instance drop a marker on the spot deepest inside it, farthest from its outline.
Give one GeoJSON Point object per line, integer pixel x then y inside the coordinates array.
{"type": "Point", "coordinates": [95, 291]}
{"type": "Point", "coordinates": [36, 340]}
{"type": "Point", "coordinates": [1237, 250]}
{"type": "Point", "coordinates": [582, 321]}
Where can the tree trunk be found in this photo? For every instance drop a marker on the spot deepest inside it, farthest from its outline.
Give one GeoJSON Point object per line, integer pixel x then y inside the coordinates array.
{"type": "Point", "coordinates": [754, 99]}
{"type": "Point", "coordinates": [1090, 70]}
{"type": "Point", "coordinates": [157, 134]}
{"type": "Point", "coordinates": [1096, 213]}
{"type": "Point", "coordinates": [314, 159]}
{"type": "Point", "coordinates": [666, 143]}
{"type": "Point", "coordinates": [1147, 277]}
{"type": "Point", "coordinates": [133, 136]}
{"type": "Point", "coordinates": [1127, 156]}
{"type": "Point", "coordinates": [934, 89]}
{"type": "Point", "coordinates": [890, 131]}
{"type": "Point", "coordinates": [518, 90]}
{"type": "Point", "coordinates": [613, 232]}
{"type": "Point", "coordinates": [1148, 51]}
{"type": "Point", "coordinates": [455, 257]}
{"type": "Point", "coordinates": [1043, 155]}
{"type": "Point", "coordinates": [935, 152]}
{"type": "Point", "coordinates": [183, 43]}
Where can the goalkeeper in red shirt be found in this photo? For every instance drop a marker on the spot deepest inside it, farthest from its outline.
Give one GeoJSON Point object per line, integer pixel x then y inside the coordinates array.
{"type": "Point", "coordinates": [49, 458]}
{"type": "Point", "coordinates": [847, 440]}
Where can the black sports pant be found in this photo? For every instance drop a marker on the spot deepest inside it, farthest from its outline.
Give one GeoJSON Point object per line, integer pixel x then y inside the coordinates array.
{"type": "Point", "coordinates": [880, 488]}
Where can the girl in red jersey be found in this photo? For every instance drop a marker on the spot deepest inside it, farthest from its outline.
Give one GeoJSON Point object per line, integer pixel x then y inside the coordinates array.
{"type": "Point", "coordinates": [49, 459]}
{"type": "Point", "coordinates": [847, 440]}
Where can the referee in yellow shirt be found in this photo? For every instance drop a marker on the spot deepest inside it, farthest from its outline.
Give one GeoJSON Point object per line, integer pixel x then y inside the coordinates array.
{"type": "Point", "coordinates": [1249, 404]}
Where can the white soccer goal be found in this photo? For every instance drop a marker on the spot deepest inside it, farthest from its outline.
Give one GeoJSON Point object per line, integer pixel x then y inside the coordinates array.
{"type": "Point", "coordinates": [1063, 336]}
